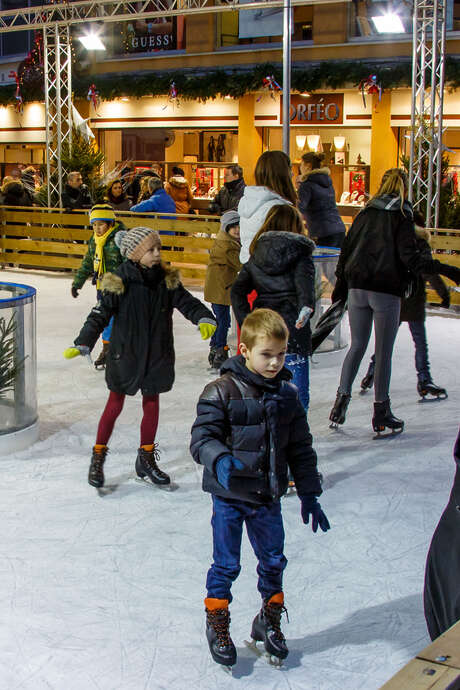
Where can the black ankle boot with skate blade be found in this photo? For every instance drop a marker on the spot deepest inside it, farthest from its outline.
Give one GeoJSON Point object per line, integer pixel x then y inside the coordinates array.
{"type": "Point", "coordinates": [266, 627]}
{"type": "Point", "coordinates": [368, 379]}
{"type": "Point", "coordinates": [96, 471]}
{"type": "Point", "coordinates": [384, 418]}
{"type": "Point", "coordinates": [220, 357]}
{"type": "Point", "coordinates": [339, 409]}
{"type": "Point", "coordinates": [220, 643]}
{"type": "Point", "coordinates": [146, 465]}
{"type": "Point", "coordinates": [428, 388]}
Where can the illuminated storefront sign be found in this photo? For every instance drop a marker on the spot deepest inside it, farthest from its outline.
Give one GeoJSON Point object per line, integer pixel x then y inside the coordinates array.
{"type": "Point", "coordinates": [319, 108]}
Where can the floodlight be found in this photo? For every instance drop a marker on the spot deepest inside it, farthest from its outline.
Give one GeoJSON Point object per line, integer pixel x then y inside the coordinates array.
{"type": "Point", "coordinates": [389, 24]}
{"type": "Point", "coordinates": [91, 42]}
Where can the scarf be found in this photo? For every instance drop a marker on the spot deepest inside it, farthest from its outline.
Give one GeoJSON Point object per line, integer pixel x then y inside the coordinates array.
{"type": "Point", "coordinates": [98, 261]}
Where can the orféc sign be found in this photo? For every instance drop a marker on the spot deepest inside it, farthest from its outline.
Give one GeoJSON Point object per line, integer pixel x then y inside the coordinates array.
{"type": "Point", "coordinates": [317, 109]}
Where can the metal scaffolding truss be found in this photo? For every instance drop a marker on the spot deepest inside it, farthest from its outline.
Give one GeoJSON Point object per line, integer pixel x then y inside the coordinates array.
{"type": "Point", "coordinates": [429, 26]}
{"type": "Point", "coordinates": [58, 104]}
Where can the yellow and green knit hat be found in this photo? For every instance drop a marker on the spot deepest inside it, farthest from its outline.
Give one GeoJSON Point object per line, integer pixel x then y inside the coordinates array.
{"type": "Point", "coordinates": [102, 212]}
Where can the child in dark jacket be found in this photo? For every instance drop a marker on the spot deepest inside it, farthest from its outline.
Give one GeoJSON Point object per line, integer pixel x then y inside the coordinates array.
{"type": "Point", "coordinates": [281, 271]}
{"type": "Point", "coordinates": [250, 430]}
{"type": "Point", "coordinates": [102, 256]}
{"type": "Point", "coordinates": [224, 264]}
{"type": "Point", "coordinates": [141, 296]}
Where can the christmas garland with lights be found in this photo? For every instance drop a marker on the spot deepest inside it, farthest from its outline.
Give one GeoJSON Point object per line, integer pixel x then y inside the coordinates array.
{"type": "Point", "coordinates": [194, 85]}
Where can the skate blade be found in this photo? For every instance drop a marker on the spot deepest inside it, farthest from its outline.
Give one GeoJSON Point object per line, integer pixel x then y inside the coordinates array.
{"type": "Point", "coordinates": [164, 487]}
{"type": "Point", "coordinates": [107, 490]}
{"type": "Point", "coordinates": [363, 391]}
{"type": "Point", "coordinates": [390, 434]}
{"type": "Point", "coordinates": [433, 398]}
{"type": "Point", "coordinates": [260, 652]}
{"type": "Point", "coordinates": [227, 669]}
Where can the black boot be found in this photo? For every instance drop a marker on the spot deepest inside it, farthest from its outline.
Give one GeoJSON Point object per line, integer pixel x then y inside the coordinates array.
{"type": "Point", "coordinates": [384, 418]}
{"type": "Point", "coordinates": [221, 645]}
{"type": "Point", "coordinates": [96, 471]}
{"type": "Point", "coordinates": [146, 465]}
{"type": "Point", "coordinates": [266, 627]}
{"type": "Point", "coordinates": [212, 354]}
{"type": "Point", "coordinates": [338, 412]}
{"type": "Point", "coordinates": [427, 387]}
{"type": "Point", "coordinates": [368, 380]}
{"type": "Point", "coordinates": [220, 357]}
{"type": "Point", "coordinates": [99, 363]}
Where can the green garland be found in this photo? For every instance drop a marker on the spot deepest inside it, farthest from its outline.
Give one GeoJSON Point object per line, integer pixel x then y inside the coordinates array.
{"type": "Point", "coordinates": [234, 82]}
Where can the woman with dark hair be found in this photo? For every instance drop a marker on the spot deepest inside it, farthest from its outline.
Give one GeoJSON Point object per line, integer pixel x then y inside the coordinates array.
{"type": "Point", "coordinates": [281, 270]}
{"type": "Point", "coordinates": [117, 197]}
{"type": "Point", "coordinates": [274, 187]}
{"type": "Point", "coordinates": [317, 202]}
{"type": "Point", "coordinates": [378, 256]}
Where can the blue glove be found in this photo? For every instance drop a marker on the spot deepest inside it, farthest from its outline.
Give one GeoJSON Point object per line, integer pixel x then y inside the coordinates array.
{"type": "Point", "coordinates": [225, 466]}
{"type": "Point", "coordinates": [310, 506]}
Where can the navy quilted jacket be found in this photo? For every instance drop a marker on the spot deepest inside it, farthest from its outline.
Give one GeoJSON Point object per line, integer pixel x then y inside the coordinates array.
{"type": "Point", "coordinates": [262, 423]}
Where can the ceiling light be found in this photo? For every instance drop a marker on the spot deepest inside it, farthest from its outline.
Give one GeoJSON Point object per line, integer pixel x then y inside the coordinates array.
{"type": "Point", "coordinates": [305, 94]}
{"type": "Point", "coordinates": [389, 24]}
{"type": "Point", "coordinates": [300, 141]}
{"type": "Point", "coordinates": [91, 42]}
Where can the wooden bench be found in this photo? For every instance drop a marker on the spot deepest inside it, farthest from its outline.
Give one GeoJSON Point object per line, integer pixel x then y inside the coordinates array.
{"type": "Point", "coordinates": [437, 667]}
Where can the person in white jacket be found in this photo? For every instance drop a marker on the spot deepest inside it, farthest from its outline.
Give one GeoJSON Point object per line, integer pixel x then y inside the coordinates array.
{"type": "Point", "coordinates": [273, 187]}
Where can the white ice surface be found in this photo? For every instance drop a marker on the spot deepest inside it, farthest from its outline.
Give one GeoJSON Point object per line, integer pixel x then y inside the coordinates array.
{"type": "Point", "coordinates": [107, 593]}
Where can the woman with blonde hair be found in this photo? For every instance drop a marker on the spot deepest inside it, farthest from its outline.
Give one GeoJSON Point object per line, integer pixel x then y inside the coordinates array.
{"type": "Point", "coordinates": [378, 257]}
{"type": "Point", "coordinates": [281, 271]}
{"type": "Point", "coordinates": [274, 187]}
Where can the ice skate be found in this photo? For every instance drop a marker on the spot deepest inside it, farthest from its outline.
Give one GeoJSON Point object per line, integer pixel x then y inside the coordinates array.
{"type": "Point", "coordinates": [338, 412]}
{"type": "Point", "coordinates": [266, 628]}
{"type": "Point", "coordinates": [96, 471]}
{"type": "Point", "coordinates": [99, 363]}
{"type": "Point", "coordinates": [220, 357]}
{"type": "Point", "coordinates": [221, 645]}
{"type": "Point", "coordinates": [211, 355]}
{"type": "Point", "coordinates": [146, 466]}
{"type": "Point", "coordinates": [368, 380]}
{"type": "Point", "coordinates": [430, 391]}
{"type": "Point", "coordinates": [384, 419]}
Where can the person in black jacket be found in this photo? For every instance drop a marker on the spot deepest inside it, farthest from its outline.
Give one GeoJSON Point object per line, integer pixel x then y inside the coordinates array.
{"type": "Point", "coordinates": [141, 296]}
{"type": "Point", "coordinates": [228, 197]}
{"type": "Point", "coordinates": [378, 258]}
{"type": "Point", "coordinates": [250, 430]}
{"type": "Point", "coordinates": [76, 194]}
{"type": "Point", "coordinates": [317, 202]}
{"type": "Point", "coordinates": [413, 311]}
{"type": "Point", "coordinates": [442, 572]}
{"type": "Point", "coordinates": [14, 194]}
{"type": "Point", "coordinates": [281, 271]}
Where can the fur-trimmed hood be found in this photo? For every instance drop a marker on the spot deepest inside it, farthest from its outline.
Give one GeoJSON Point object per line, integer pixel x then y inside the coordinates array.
{"type": "Point", "coordinates": [316, 171]}
{"type": "Point", "coordinates": [178, 181]}
{"type": "Point", "coordinates": [114, 283]}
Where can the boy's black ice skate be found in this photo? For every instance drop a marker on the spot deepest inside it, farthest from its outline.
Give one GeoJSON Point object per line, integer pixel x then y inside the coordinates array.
{"type": "Point", "coordinates": [100, 362]}
{"type": "Point", "coordinates": [266, 628]}
{"type": "Point", "coordinates": [96, 471]}
{"type": "Point", "coordinates": [384, 419]}
{"type": "Point", "coordinates": [368, 380]}
{"type": "Point", "coordinates": [338, 412]}
{"type": "Point", "coordinates": [220, 357]}
{"type": "Point", "coordinates": [146, 466]}
{"type": "Point", "coordinates": [221, 645]}
{"type": "Point", "coordinates": [212, 354]}
{"type": "Point", "coordinates": [428, 388]}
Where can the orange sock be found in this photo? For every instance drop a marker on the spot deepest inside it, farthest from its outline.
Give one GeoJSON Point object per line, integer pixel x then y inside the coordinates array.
{"type": "Point", "coordinates": [98, 447]}
{"type": "Point", "coordinates": [148, 447]}
{"type": "Point", "coordinates": [277, 599]}
{"type": "Point", "coordinates": [213, 604]}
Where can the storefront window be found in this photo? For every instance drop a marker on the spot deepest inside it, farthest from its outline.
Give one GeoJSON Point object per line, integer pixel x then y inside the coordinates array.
{"type": "Point", "coordinates": [262, 26]}
{"type": "Point", "coordinates": [16, 42]}
{"type": "Point", "coordinates": [142, 36]}
{"type": "Point", "coordinates": [383, 19]}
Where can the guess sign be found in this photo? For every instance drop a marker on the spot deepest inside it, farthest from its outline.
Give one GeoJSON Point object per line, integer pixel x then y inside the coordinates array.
{"type": "Point", "coordinates": [320, 108]}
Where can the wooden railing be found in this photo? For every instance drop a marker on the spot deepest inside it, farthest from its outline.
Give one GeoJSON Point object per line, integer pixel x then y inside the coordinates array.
{"type": "Point", "coordinates": [445, 244]}
{"type": "Point", "coordinates": [56, 239]}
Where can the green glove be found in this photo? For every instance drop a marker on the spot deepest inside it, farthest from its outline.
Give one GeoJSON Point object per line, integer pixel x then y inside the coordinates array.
{"type": "Point", "coordinates": [76, 350]}
{"type": "Point", "coordinates": [206, 330]}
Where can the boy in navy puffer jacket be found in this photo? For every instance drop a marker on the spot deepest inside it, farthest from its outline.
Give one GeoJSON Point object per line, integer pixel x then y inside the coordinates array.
{"type": "Point", "coordinates": [250, 430]}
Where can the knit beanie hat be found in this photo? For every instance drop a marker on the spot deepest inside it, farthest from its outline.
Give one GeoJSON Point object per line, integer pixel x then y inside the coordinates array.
{"type": "Point", "coordinates": [228, 219]}
{"type": "Point", "coordinates": [135, 242]}
{"type": "Point", "coordinates": [102, 212]}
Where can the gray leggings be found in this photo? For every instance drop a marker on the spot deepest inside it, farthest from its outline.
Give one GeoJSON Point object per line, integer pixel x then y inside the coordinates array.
{"type": "Point", "coordinates": [365, 307]}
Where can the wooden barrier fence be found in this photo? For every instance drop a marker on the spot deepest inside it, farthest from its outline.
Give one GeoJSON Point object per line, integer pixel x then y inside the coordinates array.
{"type": "Point", "coordinates": [51, 238]}
{"type": "Point", "coordinates": [55, 239]}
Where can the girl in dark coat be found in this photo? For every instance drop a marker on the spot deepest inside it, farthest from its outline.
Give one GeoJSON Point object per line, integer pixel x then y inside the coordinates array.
{"type": "Point", "coordinates": [442, 573]}
{"type": "Point", "coordinates": [141, 296]}
{"type": "Point", "coordinates": [378, 258]}
{"type": "Point", "coordinates": [317, 202]}
{"type": "Point", "coordinates": [117, 197]}
{"type": "Point", "coordinates": [281, 271]}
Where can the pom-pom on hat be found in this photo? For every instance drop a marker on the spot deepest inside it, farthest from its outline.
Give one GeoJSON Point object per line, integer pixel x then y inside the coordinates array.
{"type": "Point", "coordinates": [102, 212]}
{"type": "Point", "coordinates": [228, 219]}
{"type": "Point", "coordinates": [135, 242]}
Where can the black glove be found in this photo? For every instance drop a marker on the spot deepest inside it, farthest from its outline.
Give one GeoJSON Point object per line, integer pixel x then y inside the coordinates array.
{"type": "Point", "coordinates": [451, 272]}
{"type": "Point", "coordinates": [446, 302]}
{"type": "Point", "coordinates": [310, 506]}
{"type": "Point", "coordinates": [74, 291]}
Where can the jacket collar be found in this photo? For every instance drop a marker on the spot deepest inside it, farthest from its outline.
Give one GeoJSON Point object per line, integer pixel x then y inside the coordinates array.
{"type": "Point", "coordinates": [237, 365]}
{"type": "Point", "coordinates": [316, 171]}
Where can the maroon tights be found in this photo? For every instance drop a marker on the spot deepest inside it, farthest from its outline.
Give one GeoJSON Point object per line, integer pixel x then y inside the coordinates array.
{"type": "Point", "coordinates": [149, 424]}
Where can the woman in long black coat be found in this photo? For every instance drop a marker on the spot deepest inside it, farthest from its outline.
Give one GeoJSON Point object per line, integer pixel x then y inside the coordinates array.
{"type": "Point", "coordinates": [442, 573]}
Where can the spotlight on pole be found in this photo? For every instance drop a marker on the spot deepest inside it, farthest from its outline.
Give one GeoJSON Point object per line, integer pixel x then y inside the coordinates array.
{"type": "Point", "coordinates": [389, 24]}
{"type": "Point", "coordinates": [91, 42]}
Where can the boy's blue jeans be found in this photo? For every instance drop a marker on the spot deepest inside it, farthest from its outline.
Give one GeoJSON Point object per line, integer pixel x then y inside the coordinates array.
{"type": "Point", "coordinates": [299, 367]}
{"type": "Point", "coordinates": [222, 313]}
{"type": "Point", "coordinates": [264, 525]}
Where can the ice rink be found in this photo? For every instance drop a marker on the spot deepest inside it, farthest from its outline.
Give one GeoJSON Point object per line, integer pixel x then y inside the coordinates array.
{"type": "Point", "coordinates": [106, 593]}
